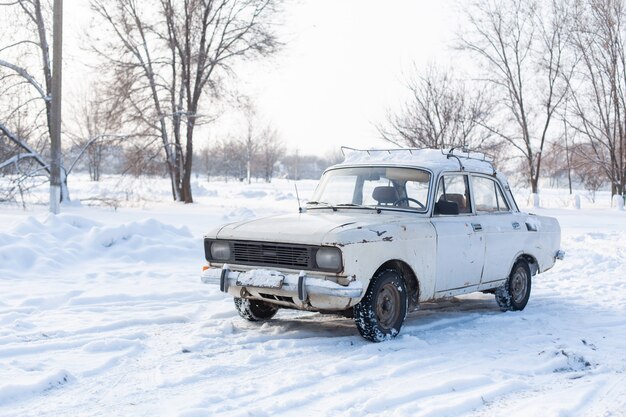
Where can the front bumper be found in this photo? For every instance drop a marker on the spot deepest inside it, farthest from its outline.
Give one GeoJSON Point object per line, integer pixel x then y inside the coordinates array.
{"type": "Point", "coordinates": [302, 288]}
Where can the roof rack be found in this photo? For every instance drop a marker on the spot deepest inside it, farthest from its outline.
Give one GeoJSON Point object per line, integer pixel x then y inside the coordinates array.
{"type": "Point", "coordinates": [457, 153]}
{"type": "Point", "coordinates": [410, 150]}
{"type": "Point", "coordinates": [467, 154]}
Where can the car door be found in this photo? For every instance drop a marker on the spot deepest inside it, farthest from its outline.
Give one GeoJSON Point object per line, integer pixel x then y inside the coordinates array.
{"type": "Point", "coordinates": [503, 229]}
{"type": "Point", "coordinates": [460, 242]}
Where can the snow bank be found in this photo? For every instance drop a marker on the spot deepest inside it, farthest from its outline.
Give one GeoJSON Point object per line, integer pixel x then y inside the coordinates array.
{"type": "Point", "coordinates": [43, 246]}
{"type": "Point", "coordinates": [33, 385]}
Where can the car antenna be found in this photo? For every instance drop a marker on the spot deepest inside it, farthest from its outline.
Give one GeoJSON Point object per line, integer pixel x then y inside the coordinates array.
{"type": "Point", "coordinates": [295, 185]}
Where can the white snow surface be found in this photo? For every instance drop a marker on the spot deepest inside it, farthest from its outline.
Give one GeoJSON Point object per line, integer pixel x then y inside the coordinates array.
{"type": "Point", "coordinates": [102, 313]}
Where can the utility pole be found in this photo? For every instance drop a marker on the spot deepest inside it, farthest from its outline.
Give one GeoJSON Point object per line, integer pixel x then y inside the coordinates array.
{"type": "Point", "coordinates": [55, 111]}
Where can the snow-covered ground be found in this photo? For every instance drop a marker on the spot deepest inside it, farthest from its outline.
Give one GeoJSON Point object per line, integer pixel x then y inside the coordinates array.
{"type": "Point", "coordinates": [102, 313]}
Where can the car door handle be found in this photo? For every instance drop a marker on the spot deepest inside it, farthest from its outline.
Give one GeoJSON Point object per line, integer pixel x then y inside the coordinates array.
{"type": "Point", "coordinates": [477, 227]}
{"type": "Point", "coordinates": [515, 225]}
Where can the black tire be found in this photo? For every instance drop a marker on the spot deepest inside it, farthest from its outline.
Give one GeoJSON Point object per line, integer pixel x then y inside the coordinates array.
{"type": "Point", "coordinates": [514, 294]}
{"type": "Point", "coordinates": [381, 312]}
{"type": "Point", "coordinates": [255, 310]}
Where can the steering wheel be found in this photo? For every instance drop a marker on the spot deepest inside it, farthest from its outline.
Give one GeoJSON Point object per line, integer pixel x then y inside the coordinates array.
{"type": "Point", "coordinates": [398, 201]}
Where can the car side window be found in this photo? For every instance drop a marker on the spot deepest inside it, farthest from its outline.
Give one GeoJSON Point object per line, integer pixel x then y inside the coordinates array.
{"type": "Point", "coordinates": [454, 189]}
{"type": "Point", "coordinates": [488, 196]}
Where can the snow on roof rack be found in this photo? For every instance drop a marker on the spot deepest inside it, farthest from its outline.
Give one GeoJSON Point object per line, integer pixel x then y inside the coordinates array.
{"type": "Point", "coordinates": [457, 153]}
{"type": "Point", "coordinates": [410, 150]}
{"type": "Point", "coordinates": [467, 154]}
{"type": "Point", "coordinates": [450, 153]}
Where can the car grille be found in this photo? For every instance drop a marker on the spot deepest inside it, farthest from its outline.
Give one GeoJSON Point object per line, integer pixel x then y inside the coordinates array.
{"type": "Point", "coordinates": [268, 254]}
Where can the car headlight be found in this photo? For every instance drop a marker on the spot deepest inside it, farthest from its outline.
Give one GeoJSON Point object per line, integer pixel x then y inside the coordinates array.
{"type": "Point", "coordinates": [328, 258]}
{"type": "Point", "coordinates": [220, 251]}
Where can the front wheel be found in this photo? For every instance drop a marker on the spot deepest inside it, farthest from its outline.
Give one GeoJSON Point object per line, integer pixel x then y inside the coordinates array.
{"type": "Point", "coordinates": [255, 310]}
{"type": "Point", "coordinates": [515, 292]}
{"type": "Point", "coordinates": [381, 312]}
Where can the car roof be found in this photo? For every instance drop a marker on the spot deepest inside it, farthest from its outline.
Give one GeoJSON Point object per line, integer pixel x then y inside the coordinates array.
{"type": "Point", "coordinates": [435, 160]}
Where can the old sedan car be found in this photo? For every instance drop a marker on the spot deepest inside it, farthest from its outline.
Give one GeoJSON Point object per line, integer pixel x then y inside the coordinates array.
{"type": "Point", "coordinates": [384, 231]}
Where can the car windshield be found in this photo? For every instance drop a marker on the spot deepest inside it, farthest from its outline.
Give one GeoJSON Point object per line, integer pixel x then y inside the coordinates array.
{"type": "Point", "coordinates": [374, 187]}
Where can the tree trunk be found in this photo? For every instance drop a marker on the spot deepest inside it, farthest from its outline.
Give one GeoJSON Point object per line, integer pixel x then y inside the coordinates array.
{"type": "Point", "coordinates": [186, 180]}
{"type": "Point", "coordinates": [534, 177]}
{"type": "Point", "coordinates": [186, 190]}
{"type": "Point", "coordinates": [65, 192]}
{"type": "Point", "coordinates": [569, 162]}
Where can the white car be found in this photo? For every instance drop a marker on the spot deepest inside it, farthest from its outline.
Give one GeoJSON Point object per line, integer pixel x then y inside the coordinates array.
{"type": "Point", "coordinates": [384, 231]}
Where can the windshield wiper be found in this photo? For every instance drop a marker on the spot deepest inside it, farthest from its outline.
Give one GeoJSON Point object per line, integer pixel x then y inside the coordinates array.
{"type": "Point", "coordinates": [323, 203]}
{"type": "Point", "coordinates": [358, 206]}
{"type": "Point", "coordinates": [355, 205]}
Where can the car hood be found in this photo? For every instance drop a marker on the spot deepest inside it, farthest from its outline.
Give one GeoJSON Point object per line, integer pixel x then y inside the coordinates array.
{"type": "Point", "coordinates": [306, 228]}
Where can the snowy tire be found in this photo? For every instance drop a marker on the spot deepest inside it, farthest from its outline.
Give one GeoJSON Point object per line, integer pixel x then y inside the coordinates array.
{"type": "Point", "coordinates": [255, 310]}
{"type": "Point", "coordinates": [514, 294]}
{"type": "Point", "coordinates": [381, 312]}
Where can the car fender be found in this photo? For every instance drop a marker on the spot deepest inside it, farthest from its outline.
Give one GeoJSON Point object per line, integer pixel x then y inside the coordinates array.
{"type": "Point", "coordinates": [366, 248]}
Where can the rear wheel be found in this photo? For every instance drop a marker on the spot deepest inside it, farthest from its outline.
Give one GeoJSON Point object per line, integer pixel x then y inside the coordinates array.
{"type": "Point", "coordinates": [255, 310]}
{"type": "Point", "coordinates": [380, 314]}
{"type": "Point", "coordinates": [515, 292]}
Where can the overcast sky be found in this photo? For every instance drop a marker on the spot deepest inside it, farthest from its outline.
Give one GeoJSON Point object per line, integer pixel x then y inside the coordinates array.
{"type": "Point", "coordinates": [341, 68]}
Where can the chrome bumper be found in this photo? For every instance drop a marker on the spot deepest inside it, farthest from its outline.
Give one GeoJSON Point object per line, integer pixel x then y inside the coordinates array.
{"type": "Point", "coordinates": [299, 285]}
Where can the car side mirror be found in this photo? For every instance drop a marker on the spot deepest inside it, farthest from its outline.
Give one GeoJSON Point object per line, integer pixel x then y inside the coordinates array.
{"type": "Point", "coordinates": [446, 207]}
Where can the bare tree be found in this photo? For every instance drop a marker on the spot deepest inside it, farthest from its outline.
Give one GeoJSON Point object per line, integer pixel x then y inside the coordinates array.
{"type": "Point", "coordinates": [260, 145]}
{"type": "Point", "coordinates": [587, 171]}
{"type": "Point", "coordinates": [441, 113]}
{"type": "Point", "coordinates": [99, 122]}
{"type": "Point", "coordinates": [271, 150]}
{"type": "Point", "coordinates": [142, 158]}
{"type": "Point", "coordinates": [25, 61]}
{"type": "Point", "coordinates": [19, 170]}
{"type": "Point", "coordinates": [231, 160]}
{"type": "Point", "coordinates": [522, 48]}
{"type": "Point", "coordinates": [206, 158]}
{"type": "Point", "coordinates": [557, 163]}
{"type": "Point", "coordinates": [299, 166]}
{"type": "Point", "coordinates": [599, 89]}
{"type": "Point", "coordinates": [566, 144]}
{"type": "Point", "coordinates": [249, 142]}
{"type": "Point", "coordinates": [172, 54]}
